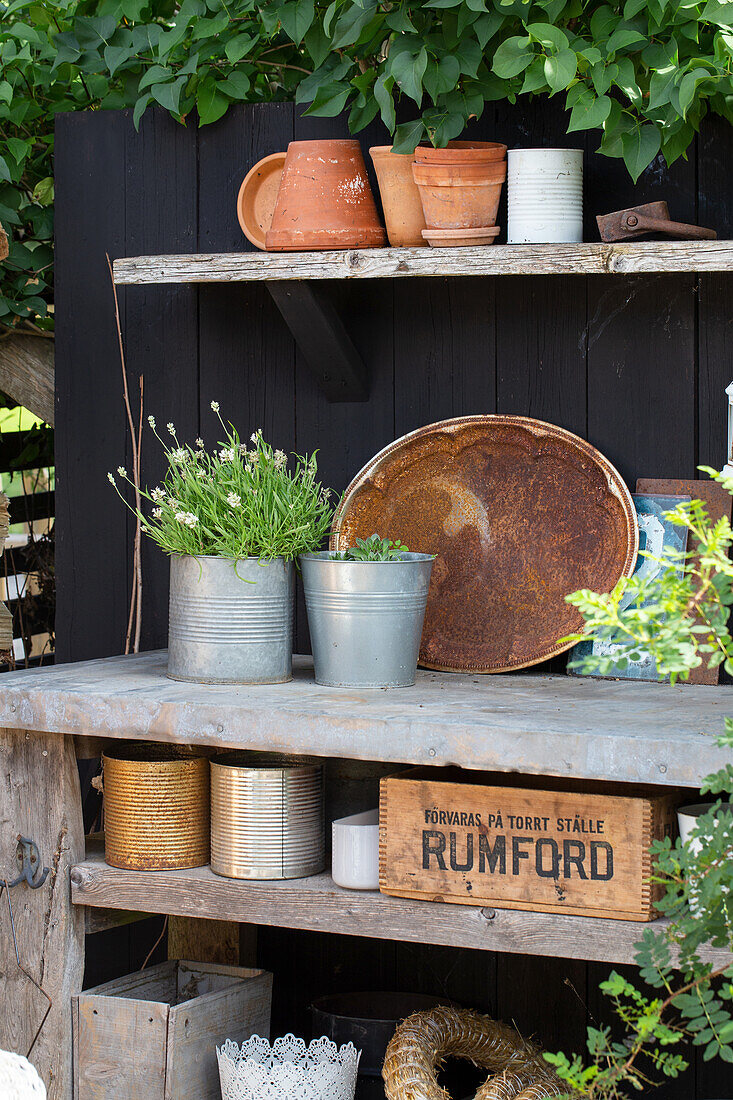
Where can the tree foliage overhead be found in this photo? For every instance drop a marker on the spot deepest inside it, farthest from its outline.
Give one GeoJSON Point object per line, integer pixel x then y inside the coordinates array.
{"type": "Point", "coordinates": [643, 73]}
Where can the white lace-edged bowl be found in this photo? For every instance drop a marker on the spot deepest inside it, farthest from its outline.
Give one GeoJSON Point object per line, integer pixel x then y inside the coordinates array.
{"type": "Point", "coordinates": [288, 1068]}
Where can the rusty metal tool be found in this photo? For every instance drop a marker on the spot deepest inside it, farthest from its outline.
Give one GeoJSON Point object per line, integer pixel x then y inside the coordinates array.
{"type": "Point", "coordinates": [652, 217]}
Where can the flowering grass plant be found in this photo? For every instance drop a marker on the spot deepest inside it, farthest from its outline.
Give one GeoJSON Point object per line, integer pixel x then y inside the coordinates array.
{"type": "Point", "coordinates": [236, 502]}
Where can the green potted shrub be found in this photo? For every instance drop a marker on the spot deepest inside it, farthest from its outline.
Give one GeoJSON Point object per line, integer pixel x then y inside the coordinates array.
{"type": "Point", "coordinates": [681, 618]}
{"type": "Point", "coordinates": [232, 522]}
{"type": "Point", "coordinates": [366, 607]}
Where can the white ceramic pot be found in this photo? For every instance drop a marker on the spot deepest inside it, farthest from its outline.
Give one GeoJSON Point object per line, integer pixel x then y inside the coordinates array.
{"type": "Point", "coordinates": [356, 851]}
{"type": "Point", "coordinates": [688, 816]}
{"type": "Point", "coordinates": [545, 196]}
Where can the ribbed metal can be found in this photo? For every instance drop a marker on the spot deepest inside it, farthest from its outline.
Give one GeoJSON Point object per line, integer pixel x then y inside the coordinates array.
{"type": "Point", "coordinates": [230, 622]}
{"type": "Point", "coordinates": [156, 807]}
{"type": "Point", "coordinates": [267, 816]}
{"type": "Point", "coordinates": [366, 618]}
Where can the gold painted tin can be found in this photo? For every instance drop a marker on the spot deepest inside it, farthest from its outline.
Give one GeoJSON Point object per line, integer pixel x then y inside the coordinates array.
{"type": "Point", "coordinates": [156, 807]}
{"type": "Point", "coordinates": [267, 816]}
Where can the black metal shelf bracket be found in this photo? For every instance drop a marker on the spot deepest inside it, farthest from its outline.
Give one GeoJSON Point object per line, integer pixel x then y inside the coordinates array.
{"type": "Point", "coordinates": [320, 334]}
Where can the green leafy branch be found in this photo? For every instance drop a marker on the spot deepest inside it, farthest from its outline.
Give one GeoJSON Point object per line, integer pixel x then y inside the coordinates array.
{"type": "Point", "coordinates": [680, 617]}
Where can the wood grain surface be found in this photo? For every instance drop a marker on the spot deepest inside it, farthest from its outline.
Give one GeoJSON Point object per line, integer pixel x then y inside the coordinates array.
{"type": "Point", "coordinates": [549, 725]}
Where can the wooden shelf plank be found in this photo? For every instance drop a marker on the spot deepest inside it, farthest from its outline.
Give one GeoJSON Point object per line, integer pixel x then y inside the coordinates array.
{"type": "Point", "coordinates": [390, 263]}
{"type": "Point", "coordinates": [531, 723]}
{"type": "Point", "coordinates": [317, 904]}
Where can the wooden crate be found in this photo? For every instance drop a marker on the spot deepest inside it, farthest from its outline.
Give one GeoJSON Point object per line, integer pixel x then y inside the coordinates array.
{"type": "Point", "coordinates": [547, 845]}
{"type": "Point", "coordinates": [153, 1035]}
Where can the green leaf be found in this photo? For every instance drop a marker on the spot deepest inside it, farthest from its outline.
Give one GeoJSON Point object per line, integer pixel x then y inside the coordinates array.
{"type": "Point", "coordinates": [139, 110]}
{"type": "Point", "coordinates": [317, 44]}
{"type": "Point", "coordinates": [640, 148]}
{"type": "Point", "coordinates": [329, 100]}
{"type": "Point", "coordinates": [207, 28]}
{"type": "Point", "coordinates": [408, 70]}
{"type": "Point", "coordinates": [560, 69]}
{"type": "Point", "coordinates": [238, 47]}
{"type": "Point", "coordinates": [43, 191]}
{"type": "Point", "coordinates": [548, 36]}
{"type": "Point", "coordinates": [486, 26]}
{"type": "Point", "coordinates": [296, 18]}
{"type": "Point", "coordinates": [589, 114]}
{"type": "Point", "coordinates": [352, 22]}
{"type": "Point", "coordinates": [114, 56]}
{"type": "Point", "coordinates": [6, 91]}
{"type": "Point", "coordinates": [169, 95]}
{"type": "Point", "coordinates": [383, 86]}
{"type": "Point", "coordinates": [156, 74]}
{"type": "Point", "coordinates": [407, 136]}
{"type": "Point", "coordinates": [719, 13]}
{"type": "Point", "coordinates": [210, 104]}
{"type": "Point", "coordinates": [236, 85]}
{"type": "Point", "coordinates": [534, 76]}
{"type": "Point", "coordinates": [688, 88]}
{"type": "Point", "coordinates": [441, 76]}
{"type": "Point", "coordinates": [512, 57]}
{"type": "Point", "coordinates": [4, 170]}
{"type": "Point", "coordinates": [622, 38]}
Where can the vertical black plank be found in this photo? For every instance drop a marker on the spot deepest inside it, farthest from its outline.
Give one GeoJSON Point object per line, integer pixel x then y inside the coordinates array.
{"type": "Point", "coordinates": [544, 998]}
{"type": "Point", "coordinates": [91, 524]}
{"type": "Point", "coordinates": [161, 322]}
{"type": "Point", "coordinates": [246, 352]}
{"type": "Point", "coordinates": [641, 374]}
{"type": "Point", "coordinates": [641, 351]}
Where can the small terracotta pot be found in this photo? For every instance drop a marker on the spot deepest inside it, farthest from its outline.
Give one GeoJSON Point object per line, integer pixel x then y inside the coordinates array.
{"type": "Point", "coordinates": [324, 200]}
{"type": "Point", "coordinates": [461, 152]}
{"type": "Point", "coordinates": [400, 197]}
{"type": "Point", "coordinates": [455, 197]}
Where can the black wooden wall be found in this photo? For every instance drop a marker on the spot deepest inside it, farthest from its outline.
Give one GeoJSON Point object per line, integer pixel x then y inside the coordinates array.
{"type": "Point", "coordinates": [636, 365]}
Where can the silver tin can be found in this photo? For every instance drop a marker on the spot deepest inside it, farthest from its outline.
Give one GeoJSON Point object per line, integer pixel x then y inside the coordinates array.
{"type": "Point", "coordinates": [366, 618]}
{"type": "Point", "coordinates": [267, 817]}
{"type": "Point", "coordinates": [230, 622]}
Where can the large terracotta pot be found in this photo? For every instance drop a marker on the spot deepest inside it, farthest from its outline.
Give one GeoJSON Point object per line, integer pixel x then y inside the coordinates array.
{"type": "Point", "coordinates": [324, 200]}
{"type": "Point", "coordinates": [461, 152]}
{"type": "Point", "coordinates": [460, 196]}
{"type": "Point", "coordinates": [400, 196]}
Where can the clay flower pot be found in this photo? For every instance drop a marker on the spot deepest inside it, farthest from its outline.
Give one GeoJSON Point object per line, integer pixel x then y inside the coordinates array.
{"type": "Point", "coordinates": [460, 196]}
{"type": "Point", "coordinates": [461, 152]}
{"type": "Point", "coordinates": [324, 200]}
{"type": "Point", "coordinates": [400, 196]}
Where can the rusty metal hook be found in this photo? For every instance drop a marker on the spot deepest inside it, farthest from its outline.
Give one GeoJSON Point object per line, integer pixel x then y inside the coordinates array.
{"type": "Point", "coordinates": [31, 870]}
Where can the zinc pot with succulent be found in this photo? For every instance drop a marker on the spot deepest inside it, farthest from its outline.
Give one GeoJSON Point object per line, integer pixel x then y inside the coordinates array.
{"type": "Point", "coordinates": [233, 521]}
{"type": "Point", "coordinates": [366, 607]}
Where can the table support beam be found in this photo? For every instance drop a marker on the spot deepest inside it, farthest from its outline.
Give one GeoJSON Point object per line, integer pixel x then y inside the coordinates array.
{"type": "Point", "coordinates": [40, 799]}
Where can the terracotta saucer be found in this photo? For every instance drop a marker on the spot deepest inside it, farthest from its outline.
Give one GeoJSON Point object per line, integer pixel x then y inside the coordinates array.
{"type": "Point", "coordinates": [455, 238]}
{"type": "Point", "coordinates": [257, 197]}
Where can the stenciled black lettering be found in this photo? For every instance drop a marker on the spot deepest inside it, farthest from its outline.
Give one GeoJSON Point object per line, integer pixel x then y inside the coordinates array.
{"type": "Point", "coordinates": [546, 843]}
{"type": "Point", "coordinates": [597, 846]}
{"type": "Point", "coordinates": [433, 844]}
{"type": "Point", "coordinates": [454, 864]}
{"type": "Point", "coordinates": [569, 858]}
{"type": "Point", "coordinates": [493, 855]}
{"type": "Point", "coordinates": [518, 853]}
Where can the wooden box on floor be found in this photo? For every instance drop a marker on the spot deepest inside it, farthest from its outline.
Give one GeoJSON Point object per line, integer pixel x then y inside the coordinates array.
{"type": "Point", "coordinates": [153, 1035]}
{"type": "Point", "coordinates": [519, 842]}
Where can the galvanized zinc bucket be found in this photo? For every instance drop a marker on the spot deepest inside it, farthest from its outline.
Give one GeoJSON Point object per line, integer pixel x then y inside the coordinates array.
{"type": "Point", "coordinates": [366, 618]}
{"type": "Point", "coordinates": [156, 807]}
{"type": "Point", "coordinates": [230, 622]}
{"type": "Point", "coordinates": [267, 816]}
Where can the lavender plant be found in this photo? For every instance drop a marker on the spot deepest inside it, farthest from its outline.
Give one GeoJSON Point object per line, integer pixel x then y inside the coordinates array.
{"type": "Point", "coordinates": [240, 500]}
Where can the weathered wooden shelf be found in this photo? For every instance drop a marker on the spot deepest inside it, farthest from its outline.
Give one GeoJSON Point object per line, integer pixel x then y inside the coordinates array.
{"type": "Point", "coordinates": [317, 904]}
{"type": "Point", "coordinates": [636, 257]}
{"type": "Point", "coordinates": [546, 725]}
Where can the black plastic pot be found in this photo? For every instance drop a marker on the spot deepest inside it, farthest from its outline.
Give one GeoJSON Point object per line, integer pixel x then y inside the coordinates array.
{"type": "Point", "coordinates": [368, 1020]}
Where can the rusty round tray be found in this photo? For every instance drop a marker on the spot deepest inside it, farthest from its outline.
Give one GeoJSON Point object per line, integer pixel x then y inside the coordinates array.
{"type": "Point", "coordinates": [520, 513]}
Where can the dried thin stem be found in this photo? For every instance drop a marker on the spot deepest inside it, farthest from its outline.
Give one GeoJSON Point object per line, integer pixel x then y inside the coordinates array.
{"type": "Point", "coordinates": [134, 621]}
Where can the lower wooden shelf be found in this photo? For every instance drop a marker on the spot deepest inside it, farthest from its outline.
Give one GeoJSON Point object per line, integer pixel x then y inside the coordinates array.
{"type": "Point", "coordinates": [317, 904]}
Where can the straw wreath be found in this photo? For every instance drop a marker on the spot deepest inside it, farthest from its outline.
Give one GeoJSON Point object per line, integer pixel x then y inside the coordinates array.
{"type": "Point", "coordinates": [424, 1040]}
